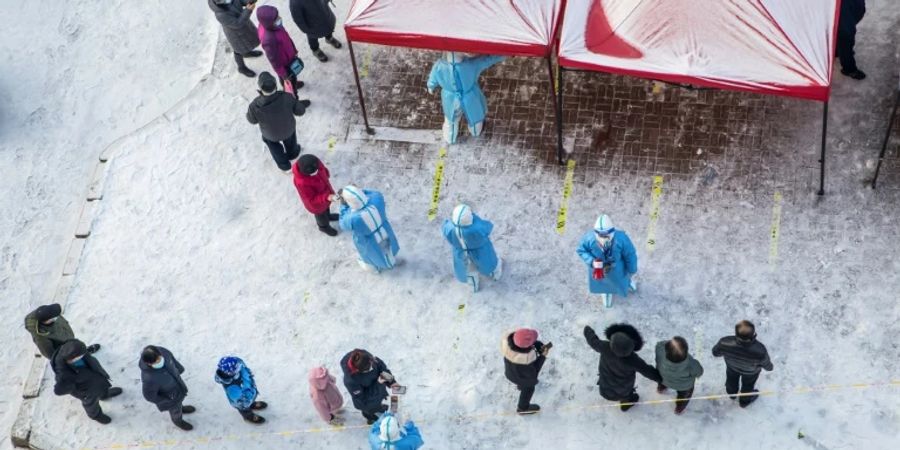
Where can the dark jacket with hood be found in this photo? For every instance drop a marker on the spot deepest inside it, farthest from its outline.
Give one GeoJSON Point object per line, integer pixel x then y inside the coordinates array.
{"type": "Point", "coordinates": [365, 390]}
{"type": "Point", "coordinates": [617, 371]}
{"type": "Point", "coordinates": [48, 338]}
{"type": "Point", "coordinates": [163, 387]}
{"type": "Point", "coordinates": [744, 356]}
{"type": "Point", "coordinates": [314, 17]}
{"type": "Point", "coordinates": [85, 381]}
{"type": "Point", "coordinates": [275, 115]}
{"type": "Point", "coordinates": [239, 29]}
{"type": "Point", "coordinates": [521, 365]}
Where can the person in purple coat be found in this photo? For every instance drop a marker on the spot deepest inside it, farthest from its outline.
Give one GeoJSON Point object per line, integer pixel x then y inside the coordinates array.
{"type": "Point", "coordinates": [278, 46]}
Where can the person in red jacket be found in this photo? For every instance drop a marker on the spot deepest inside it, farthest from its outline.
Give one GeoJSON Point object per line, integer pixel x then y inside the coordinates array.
{"type": "Point", "coordinates": [311, 181]}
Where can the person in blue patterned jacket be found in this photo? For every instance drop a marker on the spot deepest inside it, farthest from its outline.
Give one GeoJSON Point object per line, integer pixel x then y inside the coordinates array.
{"type": "Point", "coordinates": [240, 388]}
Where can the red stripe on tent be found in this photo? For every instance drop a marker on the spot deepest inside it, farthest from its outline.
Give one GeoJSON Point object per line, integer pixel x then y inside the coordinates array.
{"type": "Point", "coordinates": [444, 44]}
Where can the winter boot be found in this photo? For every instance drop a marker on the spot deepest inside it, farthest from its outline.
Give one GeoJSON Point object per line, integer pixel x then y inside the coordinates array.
{"type": "Point", "coordinates": [660, 388]}
{"type": "Point", "coordinates": [93, 348]}
{"type": "Point", "coordinates": [320, 55]}
{"type": "Point", "coordinates": [334, 42]}
{"type": "Point", "coordinates": [254, 418]}
{"type": "Point", "coordinates": [253, 54]}
{"type": "Point", "coordinates": [629, 403]}
{"type": "Point", "coordinates": [680, 406]}
{"type": "Point", "coordinates": [103, 418]}
{"type": "Point", "coordinates": [855, 74]}
{"type": "Point", "coordinates": [328, 230]}
{"type": "Point", "coordinates": [532, 409]}
{"type": "Point", "coordinates": [111, 392]}
{"type": "Point", "coordinates": [245, 71]}
{"type": "Point", "coordinates": [259, 405]}
{"type": "Point", "coordinates": [188, 409]}
{"type": "Point", "coordinates": [184, 425]}
{"type": "Point", "coordinates": [498, 271]}
{"type": "Point", "coordinates": [747, 400]}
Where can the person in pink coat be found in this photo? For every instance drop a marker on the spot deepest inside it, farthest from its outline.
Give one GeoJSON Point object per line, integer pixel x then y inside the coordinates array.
{"type": "Point", "coordinates": [325, 395]}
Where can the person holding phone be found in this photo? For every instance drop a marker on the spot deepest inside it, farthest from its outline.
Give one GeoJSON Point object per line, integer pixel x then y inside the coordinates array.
{"type": "Point", "coordinates": [367, 379]}
{"type": "Point", "coordinates": [279, 48]}
{"type": "Point", "coordinates": [523, 357]}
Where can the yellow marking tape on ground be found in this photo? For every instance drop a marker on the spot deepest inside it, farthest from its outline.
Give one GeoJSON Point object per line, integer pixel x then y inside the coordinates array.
{"type": "Point", "coordinates": [332, 141]}
{"type": "Point", "coordinates": [567, 192]}
{"type": "Point", "coordinates": [775, 231]}
{"type": "Point", "coordinates": [490, 415]}
{"type": "Point", "coordinates": [367, 58]}
{"type": "Point", "coordinates": [436, 188]}
{"type": "Point", "coordinates": [655, 195]}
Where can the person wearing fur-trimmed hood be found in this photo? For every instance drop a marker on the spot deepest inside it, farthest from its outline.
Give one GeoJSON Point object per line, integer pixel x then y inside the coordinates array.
{"type": "Point", "coordinates": [387, 434]}
{"type": "Point", "coordinates": [608, 250]}
{"type": "Point", "coordinates": [363, 213]}
{"type": "Point", "coordinates": [473, 252]}
{"type": "Point", "coordinates": [619, 362]}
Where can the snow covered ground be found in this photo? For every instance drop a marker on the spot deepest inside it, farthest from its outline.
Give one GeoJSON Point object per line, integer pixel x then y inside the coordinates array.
{"type": "Point", "coordinates": [203, 247]}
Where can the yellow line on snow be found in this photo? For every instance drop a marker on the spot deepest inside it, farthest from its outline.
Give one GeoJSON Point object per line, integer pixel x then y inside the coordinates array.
{"type": "Point", "coordinates": [655, 196]}
{"type": "Point", "coordinates": [436, 188]}
{"type": "Point", "coordinates": [567, 192]}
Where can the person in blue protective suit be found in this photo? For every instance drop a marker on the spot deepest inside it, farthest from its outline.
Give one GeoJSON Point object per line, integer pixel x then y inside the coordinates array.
{"type": "Point", "coordinates": [457, 76]}
{"type": "Point", "coordinates": [473, 252]}
{"type": "Point", "coordinates": [610, 258]}
{"type": "Point", "coordinates": [240, 388]}
{"type": "Point", "coordinates": [363, 213]}
{"type": "Point", "coordinates": [388, 434]}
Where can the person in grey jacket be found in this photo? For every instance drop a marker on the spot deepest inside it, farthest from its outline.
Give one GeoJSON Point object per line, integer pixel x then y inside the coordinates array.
{"type": "Point", "coordinates": [234, 15]}
{"type": "Point", "coordinates": [162, 384]}
{"type": "Point", "coordinates": [274, 112]}
{"type": "Point", "coordinates": [316, 20]}
{"type": "Point", "coordinates": [678, 369]}
{"type": "Point", "coordinates": [745, 357]}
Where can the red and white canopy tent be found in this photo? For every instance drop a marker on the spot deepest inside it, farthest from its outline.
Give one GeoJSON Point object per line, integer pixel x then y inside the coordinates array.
{"type": "Point", "coordinates": [499, 27]}
{"type": "Point", "coordinates": [778, 47]}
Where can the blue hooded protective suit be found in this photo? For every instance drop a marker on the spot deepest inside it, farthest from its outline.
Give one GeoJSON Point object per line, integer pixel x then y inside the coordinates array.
{"type": "Point", "coordinates": [364, 215]}
{"type": "Point", "coordinates": [461, 94]}
{"type": "Point", "coordinates": [469, 234]}
{"type": "Point", "coordinates": [618, 255]}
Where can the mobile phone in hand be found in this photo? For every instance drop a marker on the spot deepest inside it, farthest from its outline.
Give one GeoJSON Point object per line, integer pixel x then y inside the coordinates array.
{"type": "Point", "coordinates": [547, 346]}
{"type": "Point", "coordinates": [398, 390]}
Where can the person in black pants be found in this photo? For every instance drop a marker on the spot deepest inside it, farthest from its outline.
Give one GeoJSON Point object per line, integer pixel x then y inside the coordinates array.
{"type": "Point", "coordinates": [619, 362]}
{"type": "Point", "coordinates": [315, 19]}
{"type": "Point", "coordinates": [274, 112]}
{"type": "Point", "coordinates": [234, 15]}
{"type": "Point", "coordinates": [80, 375]}
{"type": "Point", "coordinates": [745, 357]}
{"type": "Point", "coordinates": [367, 379]}
{"type": "Point", "coordinates": [523, 358]}
{"type": "Point", "coordinates": [852, 12]}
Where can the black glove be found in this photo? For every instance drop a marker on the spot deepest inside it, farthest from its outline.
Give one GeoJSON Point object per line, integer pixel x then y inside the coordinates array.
{"type": "Point", "coordinates": [305, 103]}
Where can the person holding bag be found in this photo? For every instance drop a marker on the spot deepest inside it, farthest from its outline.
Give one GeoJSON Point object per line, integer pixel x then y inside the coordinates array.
{"type": "Point", "coordinates": [279, 48]}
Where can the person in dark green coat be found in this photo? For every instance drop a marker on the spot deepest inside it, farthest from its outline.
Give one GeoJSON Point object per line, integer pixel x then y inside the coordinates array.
{"type": "Point", "coordinates": [679, 370]}
{"type": "Point", "coordinates": [49, 330]}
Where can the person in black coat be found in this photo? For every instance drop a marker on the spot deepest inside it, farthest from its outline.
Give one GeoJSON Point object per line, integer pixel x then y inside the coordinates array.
{"type": "Point", "coordinates": [745, 358]}
{"type": "Point", "coordinates": [367, 379]}
{"type": "Point", "coordinates": [80, 375]}
{"type": "Point", "coordinates": [852, 12]}
{"type": "Point", "coordinates": [523, 358]}
{"type": "Point", "coordinates": [619, 362]}
{"type": "Point", "coordinates": [234, 15]}
{"type": "Point", "coordinates": [162, 384]}
{"type": "Point", "coordinates": [315, 19]}
{"type": "Point", "coordinates": [274, 112]}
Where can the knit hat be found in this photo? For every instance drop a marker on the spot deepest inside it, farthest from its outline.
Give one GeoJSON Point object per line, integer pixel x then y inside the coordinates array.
{"type": "Point", "coordinates": [266, 83]}
{"type": "Point", "coordinates": [462, 215]}
{"type": "Point", "coordinates": [604, 225]}
{"type": "Point", "coordinates": [72, 349]}
{"type": "Point", "coordinates": [230, 365]}
{"type": "Point", "coordinates": [621, 344]}
{"type": "Point", "coordinates": [390, 429]}
{"type": "Point", "coordinates": [525, 337]}
{"type": "Point", "coordinates": [308, 164]}
{"type": "Point", "coordinates": [47, 312]}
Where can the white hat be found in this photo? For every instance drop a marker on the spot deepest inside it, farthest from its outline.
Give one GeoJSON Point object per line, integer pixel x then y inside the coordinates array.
{"type": "Point", "coordinates": [604, 225]}
{"type": "Point", "coordinates": [462, 215]}
{"type": "Point", "coordinates": [390, 429]}
{"type": "Point", "coordinates": [354, 197]}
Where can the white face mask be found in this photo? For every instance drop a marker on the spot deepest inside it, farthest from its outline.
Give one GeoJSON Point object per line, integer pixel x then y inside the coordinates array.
{"type": "Point", "coordinates": [76, 359]}
{"type": "Point", "coordinates": [278, 22]}
{"type": "Point", "coordinates": [50, 321]}
{"type": "Point", "coordinates": [603, 240]}
{"type": "Point", "coordinates": [159, 364]}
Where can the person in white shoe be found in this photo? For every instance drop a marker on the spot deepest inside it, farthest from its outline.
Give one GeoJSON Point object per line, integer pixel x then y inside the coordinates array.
{"type": "Point", "coordinates": [610, 258]}
{"type": "Point", "coordinates": [363, 213]}
{"type": "Point", "coordinates": [473, 252]}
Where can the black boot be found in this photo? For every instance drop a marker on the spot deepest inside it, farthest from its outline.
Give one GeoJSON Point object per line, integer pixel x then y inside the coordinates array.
{"type": "Point", "coordinates": [531, 409]}
{"type": "Point", "coordinates": [334, 42]}
{"type": "Point", "coordinates": [253, 418]}
{"type": "Point", "coordinates": [188, 409]}
{"type": "Point", "coordinates": [320, 55]}
{"type": "Point", "coordinates": [253, 54]}
{"type": "Point", "coordinates": [111, 392]}
{"type": "Point", "coordinates": [855, 74]}
{"type": "Point", "coordinates": [747, 400]}
{"type": "Point", "coordinates": [328, 230]}
{"type": "Point", "coordinates": [184, 425]}
{"type": "Point", "coordinates": [93, 348]}
{"type": "Point", "coordinates": [259, 405]}
{"type": "Point", "coordinates": [103, 418]}
{"type": "Point", "coordinates": [627, 404]}
{"type": "Point", "coordinates": [245, 71]}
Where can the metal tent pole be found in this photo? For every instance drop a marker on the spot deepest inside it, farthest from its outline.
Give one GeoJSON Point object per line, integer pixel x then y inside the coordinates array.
{"type": "Point", "coordinates": [887, 137]}
{"type": "Point", "coordinates": [362, 101]}
{"type": "Point", "coordinates": [556, 111]}
{"type": "Point", "coordinates": [822, 159]}
{"type": "Point", "coordinates": [559, 113]}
